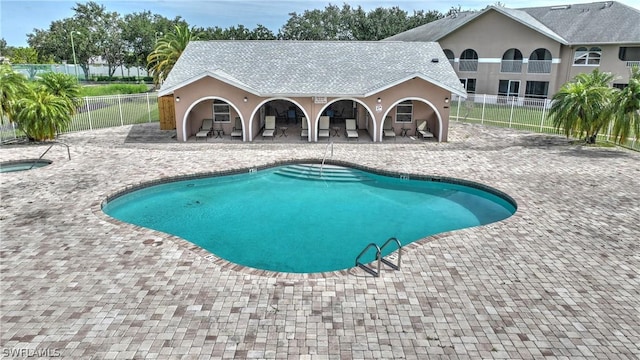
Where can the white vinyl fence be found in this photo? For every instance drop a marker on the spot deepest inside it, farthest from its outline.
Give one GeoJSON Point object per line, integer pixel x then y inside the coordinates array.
{"type": "Point", "coordinates": [98, 112]}
{"type": "Point", "coordinates": [515, 113]}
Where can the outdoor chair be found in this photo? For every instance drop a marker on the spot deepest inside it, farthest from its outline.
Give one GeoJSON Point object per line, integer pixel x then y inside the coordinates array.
{"type": "Point", "coordinates": [323, 127]}
{"type": "Point", "coordinates": [423, 130]}
{"type": "Point", "coordinates": [205, 129]}
{"type": "Point", "coordinates": [269, 127]}
{"type": "Point", "coordinates": [305, 129]}
{"type": "Point", "coordinates": [388, 129]}
{"type": "Point", "coordinates": [350, 129]}
{"type": "Point", "coordinates": [237, 129]}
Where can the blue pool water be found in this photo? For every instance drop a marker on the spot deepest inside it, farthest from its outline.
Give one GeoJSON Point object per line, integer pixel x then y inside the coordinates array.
{"type": "Point", "coordinates": [269, 221]}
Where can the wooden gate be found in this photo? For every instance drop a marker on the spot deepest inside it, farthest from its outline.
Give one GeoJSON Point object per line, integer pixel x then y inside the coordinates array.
{"type": "Point", "coordinates": [167, 111]}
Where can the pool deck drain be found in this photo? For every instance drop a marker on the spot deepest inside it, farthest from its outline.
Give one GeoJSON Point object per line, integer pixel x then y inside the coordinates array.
{"type": "Point", "coordinates": [559, 279]}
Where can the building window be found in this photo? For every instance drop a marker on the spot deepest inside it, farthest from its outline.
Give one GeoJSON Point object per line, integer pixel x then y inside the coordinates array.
{"type": "Point", "coordinates": [509, 87]}
{"type": "Point", "coordinates": [511, 61]}
{"type": "Point", "coordinates": [620, 86]}
{"type": "Point", "coordinates": [468, 60]}
{"type": "Point", "coordinates": [587, 57]}
{"type": "Point", "coordinates": [469, 85]}
{"type": "Point", "coordinates": [449, 54]}
{"type": "Point", "coordinates": [221, 111]}
{"type": "Point", "coordinates": [404, 112]}
{"type": "Point", "coordinates": [537, 89]}
{"type": "Point", "coordinates": [630, 54]}
{"type": "Point", "coordinates": [539, 62]}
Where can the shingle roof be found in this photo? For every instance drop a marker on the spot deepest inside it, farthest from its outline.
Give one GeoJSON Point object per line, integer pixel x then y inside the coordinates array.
{"type": "Point", "coordinates": [312, 68]}
{"type": "Point", "coordinates": [592, 23]}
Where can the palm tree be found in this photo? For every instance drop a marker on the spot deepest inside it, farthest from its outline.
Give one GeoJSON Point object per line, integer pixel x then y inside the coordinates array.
{"type": "Point", "coordinates": [626, 115]}
{"type": "Point", "coordinates": [582, 107]}
{"type": "Point", "coordinates": [41, 115]}
{"type": "Point", "coordinates": [62, 85]}
{"type": "Point", "coordinates": [167, 51]}
{"type": "Point", "coordinates": [12, 86]}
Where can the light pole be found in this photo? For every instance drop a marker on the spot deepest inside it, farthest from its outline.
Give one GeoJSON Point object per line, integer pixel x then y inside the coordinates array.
{"type": "Point", "coordinates": [73, 49]}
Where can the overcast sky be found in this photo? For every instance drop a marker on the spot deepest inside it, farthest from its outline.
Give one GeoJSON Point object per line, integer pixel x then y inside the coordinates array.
{"type": "Point", "coordinates": [19, 17]}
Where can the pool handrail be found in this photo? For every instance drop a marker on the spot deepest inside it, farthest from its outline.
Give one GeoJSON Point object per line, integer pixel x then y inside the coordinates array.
{"type": "Point", "coordinates": [365, 267]}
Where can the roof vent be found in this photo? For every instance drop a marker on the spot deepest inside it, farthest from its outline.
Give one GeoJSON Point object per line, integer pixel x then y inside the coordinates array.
{"type": "Point", "coordinates": [435, 60]}
{"type": "Point", "coordinates": [561, 7]}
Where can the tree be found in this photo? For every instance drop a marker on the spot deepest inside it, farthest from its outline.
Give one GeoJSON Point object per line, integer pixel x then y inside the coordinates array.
{"type": "Point", "coordinates": [13, 86]}
{"type": "Point", "coordinates": [63, 86]}
{"type": "Point", "coordinates": [167, 51]}
{"type": "Point", "coordinates": [140, 31]}
{"type": "Point", "coordinates": [582, 107]}
{"type": "Point", "coordinates": [626, 113]}
{"type": "Point", "coordinates": [41, 115]}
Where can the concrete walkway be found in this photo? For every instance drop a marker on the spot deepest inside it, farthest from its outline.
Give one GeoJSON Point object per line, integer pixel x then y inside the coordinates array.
{"type": "Point", "coordinates": [559, 279]}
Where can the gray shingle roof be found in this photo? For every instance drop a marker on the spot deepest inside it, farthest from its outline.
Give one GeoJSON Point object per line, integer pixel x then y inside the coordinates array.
{"type": "Point", "coordinates": [592, 23]}
{"type": "Point", "coordinates": [312, 68]}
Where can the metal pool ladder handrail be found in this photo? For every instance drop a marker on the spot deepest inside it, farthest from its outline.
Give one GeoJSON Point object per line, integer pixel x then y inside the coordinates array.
{"type": "Point", "coordinates": [365, 267]}
{"type": "Point", "coordinates": [49, 148]}
{"type": "Point", "coordinates": [324, 157]}
{"type": "Point", "coordinates": [379, 257]}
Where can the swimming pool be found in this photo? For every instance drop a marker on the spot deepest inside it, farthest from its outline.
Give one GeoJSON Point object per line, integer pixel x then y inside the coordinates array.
{"type": "Point", "coordinates": [289, 219]}
{"type": "Point", "coordinates": [23, 165]}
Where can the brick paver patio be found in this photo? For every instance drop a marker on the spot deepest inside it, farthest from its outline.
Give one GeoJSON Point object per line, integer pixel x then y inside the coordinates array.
{"type": "Point", "coordinates": [559, 279]}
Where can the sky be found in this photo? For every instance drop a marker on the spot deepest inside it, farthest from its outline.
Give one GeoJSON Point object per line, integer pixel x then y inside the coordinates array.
{"type": "Point", "coordinates": [20, 17]}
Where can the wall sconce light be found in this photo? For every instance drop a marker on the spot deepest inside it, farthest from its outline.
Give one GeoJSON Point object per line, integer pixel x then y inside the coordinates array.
{"type": "Point", "coordinates": [178, 99]}
{"type": "Point", "coordinates": [446, 100]}
{"type": "Point", "coordinates": [379, 100]}
{"type": "Point", "coordinates": [245, 99]}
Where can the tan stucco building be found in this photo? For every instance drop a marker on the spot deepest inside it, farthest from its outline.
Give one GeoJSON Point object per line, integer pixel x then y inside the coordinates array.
{"type": "Point", "coordinates": [531, 52]}
{"type": "Point", "coordinates": [378, 84]}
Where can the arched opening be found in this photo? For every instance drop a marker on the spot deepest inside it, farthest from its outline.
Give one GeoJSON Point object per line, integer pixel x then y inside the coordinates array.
{"type": "Point", "coordinates": [409, 113]}
{"type": "Point", "coordinates": [511, 61]}
{"type": "Point", "coordinates": [450, 56]}
{"type": "Point", "coordinates": [341, 109]}
{"type": "Point", "coordinates": [209, 117]}
{"type": "Point", "coordinates": [280, 117]}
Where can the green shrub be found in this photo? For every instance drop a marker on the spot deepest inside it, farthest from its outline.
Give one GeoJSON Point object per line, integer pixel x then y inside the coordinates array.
{"type": "Point", "coordinates": [112, 89]}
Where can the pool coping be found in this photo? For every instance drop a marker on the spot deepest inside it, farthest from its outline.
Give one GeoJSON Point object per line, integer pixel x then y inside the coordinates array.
{"type": "Point", "coordinates": [228, 265]}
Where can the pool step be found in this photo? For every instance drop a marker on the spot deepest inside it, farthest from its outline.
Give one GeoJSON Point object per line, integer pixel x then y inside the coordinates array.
{"type": "Point", "coordinates": [328, 173]}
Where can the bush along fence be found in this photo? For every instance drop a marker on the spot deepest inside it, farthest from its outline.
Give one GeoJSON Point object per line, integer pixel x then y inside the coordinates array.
{"type": "Point", "coordinates": [99, 112]}
{"type": "Point", "coordinates": [515, 113]}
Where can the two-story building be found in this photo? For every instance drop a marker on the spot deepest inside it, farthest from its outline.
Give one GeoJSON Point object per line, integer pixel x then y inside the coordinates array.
{"type": "Point", "coordinates": [531, 52]}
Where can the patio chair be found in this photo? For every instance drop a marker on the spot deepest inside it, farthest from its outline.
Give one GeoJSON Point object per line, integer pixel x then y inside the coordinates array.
{"type": "Point", "coordinates": [350, 129]}
{"type": "Point", "coordinates": [423, 130]}
{"type": "Point", "coordinates": [323, 127]}
{"type": "Point", "coordinates": [237, 129]}
{"type": "Point", "coordinates": [388, 129]}
{"type": "Point", "coordinates": [205, 129]}
{"type": "Point", "coordinates": [305, 129]}
{"type": "Point", "coordinates": [269, 127]}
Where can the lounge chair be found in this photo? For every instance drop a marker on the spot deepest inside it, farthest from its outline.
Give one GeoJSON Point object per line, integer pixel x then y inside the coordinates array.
{"type": "Point", "coordinates": [205, 129]}
{"type": "Point", "coordinates": [305, 129]}
{"type": "Point", "coordinates": [269, 127]}
{"type": "Point", "coordinates": [323, 127]}
{"type": "Point", "coordinates": [237, 129]}
{"type": "Point", "coordinates": [423, 130]}
{"type": "Point", "coordinates": [350, 129]}
{"type": "Point", "coordinates": [388, 129]}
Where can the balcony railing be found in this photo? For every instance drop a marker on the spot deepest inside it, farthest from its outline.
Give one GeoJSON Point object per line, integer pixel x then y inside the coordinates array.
{"type": "Point", "coordinates": [539, 67]}
{"type": "Point", "coordinates": [468, 65]}
{"type": "Point", "coordinates": [511, 66]}
{"type": "Point", "coordinates": [633, 63]}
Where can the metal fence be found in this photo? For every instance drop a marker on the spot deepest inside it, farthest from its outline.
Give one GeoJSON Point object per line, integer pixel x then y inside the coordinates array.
{"type": "Point", "coordinates": [99, 112]}
{"type": "Point", "coordinates": [515, 113]}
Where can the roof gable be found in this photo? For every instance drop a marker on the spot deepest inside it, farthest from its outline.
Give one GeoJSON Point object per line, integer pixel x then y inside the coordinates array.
{"type": "Point", "coordinates": [593, 23]}
{"type": "Point", "coordinates": [311, 68]}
